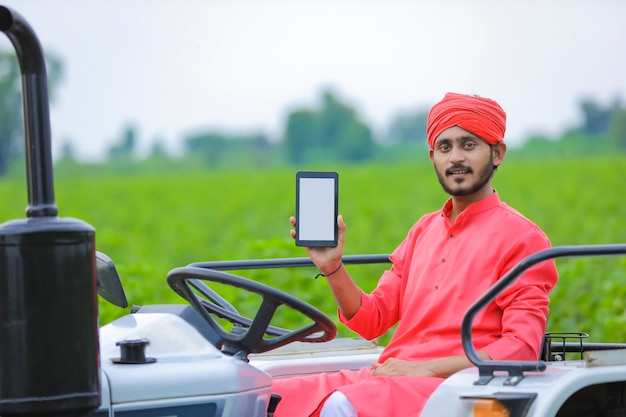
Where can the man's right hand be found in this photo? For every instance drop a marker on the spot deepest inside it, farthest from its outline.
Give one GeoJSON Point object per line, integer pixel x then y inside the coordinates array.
{"type": "Point", "coordinates": [327, 259]}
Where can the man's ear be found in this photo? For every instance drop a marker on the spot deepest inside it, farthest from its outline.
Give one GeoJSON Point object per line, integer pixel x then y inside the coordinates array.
{"type": "Point", "coordinates": [499, 150]}
{"type": "Point", "coordinates": [430, 155]}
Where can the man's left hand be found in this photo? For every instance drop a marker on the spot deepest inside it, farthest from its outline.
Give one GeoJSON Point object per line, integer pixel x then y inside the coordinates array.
{"type": "Point", "coordinates": [400, 367]}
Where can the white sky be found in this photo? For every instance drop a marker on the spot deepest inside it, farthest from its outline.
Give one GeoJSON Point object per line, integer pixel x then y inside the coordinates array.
{"type": "Point", "coordinates": [173, 67]}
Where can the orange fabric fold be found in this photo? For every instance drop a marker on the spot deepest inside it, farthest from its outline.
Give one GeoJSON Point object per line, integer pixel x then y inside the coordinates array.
{"type": "Point", "coordinates": [479, 115]}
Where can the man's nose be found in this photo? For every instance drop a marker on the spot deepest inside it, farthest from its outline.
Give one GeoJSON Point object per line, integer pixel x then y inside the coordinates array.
{"type": "Point", "coordinates": [457, 155]}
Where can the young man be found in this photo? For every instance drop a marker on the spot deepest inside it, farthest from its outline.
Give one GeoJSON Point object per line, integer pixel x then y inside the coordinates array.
{"type": "Point", "coordinates": [447, 261]}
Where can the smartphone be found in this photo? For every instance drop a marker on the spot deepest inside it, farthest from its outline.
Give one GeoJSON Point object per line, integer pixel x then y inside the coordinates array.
{"type": "Point", "coordinates": [316, 208]}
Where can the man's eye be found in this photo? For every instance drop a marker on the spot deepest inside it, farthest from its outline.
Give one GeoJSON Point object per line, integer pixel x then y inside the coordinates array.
{"type": "Point", "coordinates": [469, 145]}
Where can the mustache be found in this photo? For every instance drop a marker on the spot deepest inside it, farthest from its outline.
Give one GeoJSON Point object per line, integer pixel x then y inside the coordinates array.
{"type": "Point", "coordinates": [458, 167]}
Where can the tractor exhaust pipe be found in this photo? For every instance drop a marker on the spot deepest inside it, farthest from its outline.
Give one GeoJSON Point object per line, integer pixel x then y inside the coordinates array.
{"type": "Point", "coordinates": [36, 113]}
{"type": "Point", "coordinates": [49, 353]}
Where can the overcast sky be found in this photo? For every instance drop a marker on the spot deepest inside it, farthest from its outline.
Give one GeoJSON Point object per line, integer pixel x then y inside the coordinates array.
{"type": "Point", "coordinates": [173, 67]}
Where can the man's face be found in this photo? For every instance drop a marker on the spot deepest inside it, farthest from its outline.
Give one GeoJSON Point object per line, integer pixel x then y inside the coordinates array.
{"type": "Point", "coordinates": [464, 163]}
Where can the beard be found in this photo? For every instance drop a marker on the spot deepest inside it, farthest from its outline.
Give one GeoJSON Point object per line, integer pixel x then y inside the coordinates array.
{"type": "Point", "coordinates": [485, 175]}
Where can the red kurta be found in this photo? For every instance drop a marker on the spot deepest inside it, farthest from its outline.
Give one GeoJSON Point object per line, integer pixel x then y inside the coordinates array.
{"type": "Point", "coordinates": [438, 272]}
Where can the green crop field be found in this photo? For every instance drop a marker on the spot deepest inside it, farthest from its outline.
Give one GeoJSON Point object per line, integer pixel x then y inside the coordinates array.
{"type": "Point", "coordinates": [151, 224]}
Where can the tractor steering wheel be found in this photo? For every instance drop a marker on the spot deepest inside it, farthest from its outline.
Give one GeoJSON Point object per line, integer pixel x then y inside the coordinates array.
{"type": "Point", "coordinates": [247, 335]}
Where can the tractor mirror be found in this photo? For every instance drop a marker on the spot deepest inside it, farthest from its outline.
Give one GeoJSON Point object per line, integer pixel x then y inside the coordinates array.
{"type": "Point", "coordinates": [108, 280]}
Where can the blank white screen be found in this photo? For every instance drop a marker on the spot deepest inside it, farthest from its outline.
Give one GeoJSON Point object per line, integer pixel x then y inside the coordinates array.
{"type": "Point", "coordinates": [316, 219]}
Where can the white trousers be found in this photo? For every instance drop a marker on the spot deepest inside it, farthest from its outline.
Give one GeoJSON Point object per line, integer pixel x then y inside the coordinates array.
{"type": "Point", "coordinates": [338, 405]}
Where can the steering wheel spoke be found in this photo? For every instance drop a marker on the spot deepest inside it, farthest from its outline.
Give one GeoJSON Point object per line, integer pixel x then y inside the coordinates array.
{"type": "Point", "coordinates": [264, 315]}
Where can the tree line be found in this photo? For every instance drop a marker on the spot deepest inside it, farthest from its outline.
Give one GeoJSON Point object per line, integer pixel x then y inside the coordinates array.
{"type": "Point", "coordinates": [328, 132]}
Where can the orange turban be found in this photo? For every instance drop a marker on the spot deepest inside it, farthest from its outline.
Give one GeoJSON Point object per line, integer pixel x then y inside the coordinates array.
{"type": "Point", "coordinates": [478, 115]}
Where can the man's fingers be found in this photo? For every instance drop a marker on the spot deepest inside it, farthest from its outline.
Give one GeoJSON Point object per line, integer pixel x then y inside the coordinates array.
{"type": "Point", "coordinates": [340, 223]}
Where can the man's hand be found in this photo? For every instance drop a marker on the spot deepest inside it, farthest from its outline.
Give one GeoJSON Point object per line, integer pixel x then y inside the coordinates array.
{"type": "Point", "coordinates": [326, 258]}
{"type": "Point", "coordinates": [400, 367]}
{"type": "Point", "coordinates": [440, 367]}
